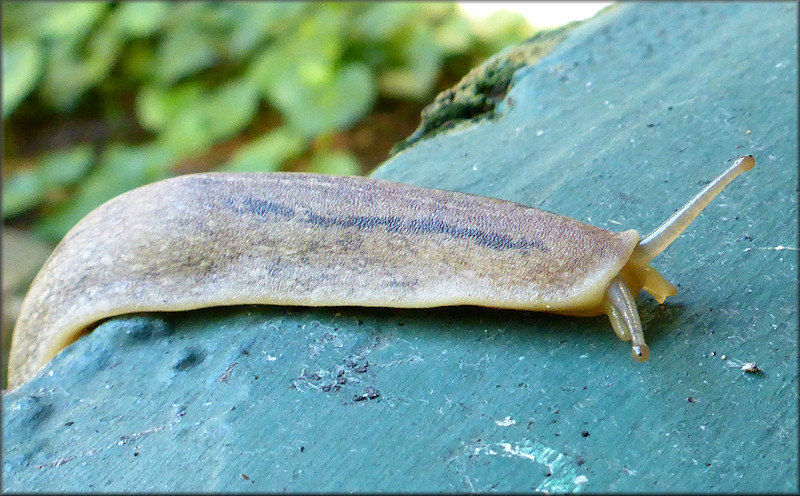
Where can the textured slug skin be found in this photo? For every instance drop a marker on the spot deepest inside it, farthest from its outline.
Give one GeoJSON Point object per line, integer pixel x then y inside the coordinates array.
{"type": "Point", "coordinates": [303, 239]}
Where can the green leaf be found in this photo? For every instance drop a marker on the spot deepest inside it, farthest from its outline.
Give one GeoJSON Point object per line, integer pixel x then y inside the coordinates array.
{"type": "Point", "coordinates": [67, 20]}
{"type": "Point", "coordinates": [102, 50]}
{"type": "Point", "coordinates": [381, 21]}
{"type": "Point", "coordinates": [258, 21]}
{"type": "Point", "coordinates": [157, 107]}
{"type": "Point", "coordinates": [407, 82]}
{"type": "Point", "coordinates": [66, 167]}
{"type": "Point", "coordinates": [268, 68]}
{"type": "Point", "coordinates": [27, 188]}
{"type": "Point", "coordinates": [230, 108]}
{"type": "Point", "coordinates": [65, 78]}
{"type": "Point", "coordinates": [454, 36]}
{"type": "Point", "coordinates": [316, 102]}
{"type": "Point", "coordinates": [71, 71]}
{"type": "Point", "coordinates": [313, 50]}
{"type": "Point", "coordinates": [335, 162]}
{"type": "Point", "coordinates": [305, 78]}
{"type": "Point", "coordinates": [139, 19]}
{"type": "Point", "coordinates": [268, 153]}
{"type": "Point", "coordinates": [189, 133]}
{"type": "Point", "coordinates": [503, 28]}
{"type": "Point", "coordinates": [415, 79]}
{"type": "Point", "coordinates": [121, 169]}
{"type": "Point", "coordinates": [182, 52]}
{"type": "Point", "coordinates": [189, 119]}
{"type": "Point", "coordinates": [22, 65]}
{"type": "Point", "coordinates": [22, 191]}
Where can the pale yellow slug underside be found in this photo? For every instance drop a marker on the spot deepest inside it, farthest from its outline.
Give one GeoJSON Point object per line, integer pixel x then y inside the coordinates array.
{"type": "Point", "coordinates": [302, 239]}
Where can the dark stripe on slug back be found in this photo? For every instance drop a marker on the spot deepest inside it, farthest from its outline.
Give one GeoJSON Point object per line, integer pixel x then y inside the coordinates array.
{"type": "Point", "coordinates": [396, 224]}
{"type": "Point", "coordinates": [264, 209]}
{"type": "Point", "coordinates": [261, 207]}
{"type": "Point", "coordinates": [393, 224]}
{"type": "Point", "coordinates": [492, 240]}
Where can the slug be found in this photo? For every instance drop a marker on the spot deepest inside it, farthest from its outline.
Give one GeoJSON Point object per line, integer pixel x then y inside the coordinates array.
{"type": "Point", "coordinates": [217, 239]}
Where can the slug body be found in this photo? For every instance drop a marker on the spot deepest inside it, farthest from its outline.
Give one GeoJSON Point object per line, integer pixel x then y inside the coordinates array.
{"type": "Point", "coordinates": [217, 239]}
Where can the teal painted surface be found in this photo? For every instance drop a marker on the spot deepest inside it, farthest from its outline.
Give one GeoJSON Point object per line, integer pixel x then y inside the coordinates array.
{"type": "Point", "coordinates": [618, 127]}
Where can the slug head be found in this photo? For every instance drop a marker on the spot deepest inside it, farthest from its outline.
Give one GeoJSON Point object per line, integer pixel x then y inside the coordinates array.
{"type": "Point", "coordinates": [619, 302]}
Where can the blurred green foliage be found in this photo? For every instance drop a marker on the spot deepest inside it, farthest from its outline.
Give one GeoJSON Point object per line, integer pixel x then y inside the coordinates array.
{"type": "Point", "coordinates": [171, 81]}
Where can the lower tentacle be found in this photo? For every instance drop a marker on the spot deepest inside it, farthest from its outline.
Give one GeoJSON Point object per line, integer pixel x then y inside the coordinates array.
{"type": "Point", "coordinates": [620, 307]}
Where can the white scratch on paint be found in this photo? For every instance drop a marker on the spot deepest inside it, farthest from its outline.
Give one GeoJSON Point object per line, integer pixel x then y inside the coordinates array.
{"type": "Point", "coordinates": [506, 422]}
{"type": "Point", "coordinates": [562, 475]}
{"type": "Point", "coordinates": [516, 452]}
